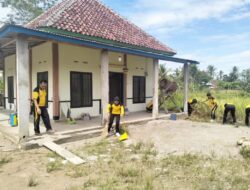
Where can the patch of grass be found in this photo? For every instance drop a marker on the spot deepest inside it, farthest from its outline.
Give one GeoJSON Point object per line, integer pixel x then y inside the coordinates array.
{"type": "Point", "coordinates": [4, 160]}
{"type": "Point", "coordinates": [245, 152]}
{"type": "Point", "coordinates": [77, 171]}
{"type": "Point", "coordinates": [32, 182]}
{"type": "Point", "coordinates": [54, 166]}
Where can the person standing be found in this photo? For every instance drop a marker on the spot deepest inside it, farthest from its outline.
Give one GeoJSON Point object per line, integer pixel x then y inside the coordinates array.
{"type": "Point", "coordinates": [116, 111]}
{"type": "Point", "coordinates": [229, 108]}
{"type": "Point", "coordinates": [247, 115]}
{"type": "Point", "coordinates": [39, 97]}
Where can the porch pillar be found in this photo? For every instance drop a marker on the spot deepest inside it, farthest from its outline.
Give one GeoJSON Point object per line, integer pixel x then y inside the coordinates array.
{"type": "Point", "coordinates": [104, 83]}
{"type": "Point", "coordinates": [30, 71]}
{"type": "Point", "coordinates": [56, 103]}
{"type": "Point", "coordinates": [186, 80]}
{"type": "Point", "coordinates": [155, 88]}
{"type": "Point", "coordinates": [125, 76]}
{"type": "Point", "coordinates": [23, 89]}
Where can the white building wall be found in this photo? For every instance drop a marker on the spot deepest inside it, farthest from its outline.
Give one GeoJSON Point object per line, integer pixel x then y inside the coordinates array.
{"type": "Point", "coordinates": [42, 62]}
{"type": "Point", "coordinates": [82, 59]}
{"type": "Point", "coordinates": [139, 66]}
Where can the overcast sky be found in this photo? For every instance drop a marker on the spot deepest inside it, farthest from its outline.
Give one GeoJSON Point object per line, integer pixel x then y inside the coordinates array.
{"type": "Point", "coordinates": [215, 32]}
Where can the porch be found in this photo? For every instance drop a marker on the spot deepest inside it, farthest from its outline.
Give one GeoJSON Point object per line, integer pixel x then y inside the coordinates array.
{"type": "Point", "coordinates": [65, 132]}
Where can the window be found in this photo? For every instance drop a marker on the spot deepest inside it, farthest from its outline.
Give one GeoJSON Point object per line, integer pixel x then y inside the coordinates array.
{"type": "Point", "coordinates": [139, 88]}
{"type": "Point", "coordinates": [80, 89]}
{"type": "Point", "coordinates": [11, 90]}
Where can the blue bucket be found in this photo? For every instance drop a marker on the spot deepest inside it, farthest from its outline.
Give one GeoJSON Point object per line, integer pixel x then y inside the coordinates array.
{"type": "Point", "coordinates": [173, 117]}
{"type": "Point", "coordinates": [13, 120]}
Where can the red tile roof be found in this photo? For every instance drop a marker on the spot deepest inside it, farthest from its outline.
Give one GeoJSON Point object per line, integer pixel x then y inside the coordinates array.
{"type": "Point", "coordinates": [92, 18]}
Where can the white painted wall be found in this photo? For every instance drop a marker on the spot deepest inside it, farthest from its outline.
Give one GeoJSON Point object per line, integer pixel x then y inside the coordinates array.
{"type": "Point", "coordinates": [80, 59]}
{"type": "Point", "coordinates": [139, 66]}
{"type": "Point", "coordinates": [83, 59]}
{"type": "Point", "coordinates": [41, 62]}
{"type": "Point", "coordinates": [10, 70]}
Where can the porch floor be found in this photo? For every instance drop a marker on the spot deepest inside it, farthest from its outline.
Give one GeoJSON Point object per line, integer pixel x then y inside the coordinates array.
{"type": "Point", "coordinates": [62, 126]}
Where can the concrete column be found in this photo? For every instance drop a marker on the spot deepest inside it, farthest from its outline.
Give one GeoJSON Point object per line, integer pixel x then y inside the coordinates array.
{"type": "Point", "coordinates": [23, 89]}
{"type": "Point", "coordinates": [30, 71]}
{"type": "Point", "coordinates": [186, 81]}
{"type": "Point", "coordinates": [156, 88]}
{"type": "Point", "coordinates": [104, 83]}
{"type": "Point", "coordinates": [125, 78]}
{"type": "Point", "coordinates": [56, 103]}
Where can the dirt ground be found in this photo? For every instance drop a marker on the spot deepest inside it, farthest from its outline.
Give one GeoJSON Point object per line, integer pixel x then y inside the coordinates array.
{"type": "Point", "coordinates": [178, 137]}
{"type": "Point", "coordinates": [35, 169]}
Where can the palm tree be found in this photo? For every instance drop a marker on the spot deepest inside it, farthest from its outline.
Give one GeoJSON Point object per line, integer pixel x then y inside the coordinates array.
{"type": "Point", "coordinates": [211, 70]}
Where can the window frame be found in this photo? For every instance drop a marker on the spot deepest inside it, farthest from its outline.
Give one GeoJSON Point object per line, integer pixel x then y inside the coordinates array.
{"type": "Point", "coordinates": [11, 99]}
{"type": "Point", "coordinates": [139, 90]}
{"type": "Point", "coordinates": [81, 103]}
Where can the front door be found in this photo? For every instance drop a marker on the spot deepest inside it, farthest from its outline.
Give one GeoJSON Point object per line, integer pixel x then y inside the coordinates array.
{"type": "Point", "coordinates": [43, 76]}
{"type": "Point", "coordinates": [115, 86]}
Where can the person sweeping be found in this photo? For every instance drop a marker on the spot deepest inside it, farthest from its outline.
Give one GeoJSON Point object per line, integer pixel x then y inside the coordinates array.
{"type": "Point", "coordinates": [212, 104]}
{"type": "Point", "coordinates": [39, 97]}
{"type": "Point", "coordinates": [116, 111]}
{"type": "Point", "coordinates": [191, 104]}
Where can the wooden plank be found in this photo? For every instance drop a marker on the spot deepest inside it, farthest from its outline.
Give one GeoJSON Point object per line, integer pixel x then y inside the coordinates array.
{"type": "Point", "coordinates": [63, 152]}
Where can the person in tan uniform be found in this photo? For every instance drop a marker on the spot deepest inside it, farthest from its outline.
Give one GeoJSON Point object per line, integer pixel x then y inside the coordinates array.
{"type": "Point", "coordinates": [116, 111]}
{"type": "Point", "coordinates": [39, 97]}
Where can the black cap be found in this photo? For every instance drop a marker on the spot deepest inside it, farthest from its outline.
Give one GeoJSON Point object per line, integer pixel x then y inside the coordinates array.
{"type": "Point", "coordinates": [116, 99]}
{"type": "Point", "coordinates": [208, 94]}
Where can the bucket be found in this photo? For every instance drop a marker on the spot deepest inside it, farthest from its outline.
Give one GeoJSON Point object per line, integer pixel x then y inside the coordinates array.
{"type": "Point", "coordinates": [13, 120]}
{"type": "Point", "coordinates": [173, 117]}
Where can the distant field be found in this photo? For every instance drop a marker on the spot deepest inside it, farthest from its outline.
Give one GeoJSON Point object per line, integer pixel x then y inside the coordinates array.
{"type": "Point", "coordinates": [239, 98]}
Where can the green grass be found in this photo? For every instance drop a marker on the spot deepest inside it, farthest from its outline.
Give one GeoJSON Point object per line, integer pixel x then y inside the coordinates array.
{"type": "Point", "coordinates": [4, 159]}
{"type": "Point", "coordinates": [32, 182]}
{"type": "Point", "coordinates": [151, 171]}
{"type": "Point", "coordinates": [239, 98]}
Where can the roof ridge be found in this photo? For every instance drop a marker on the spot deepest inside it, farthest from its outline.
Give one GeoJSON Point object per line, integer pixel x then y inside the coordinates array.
{"type": "Point", "coordinates": [126, 19]}
{"type": "Point", "coordinates": [55, 15]}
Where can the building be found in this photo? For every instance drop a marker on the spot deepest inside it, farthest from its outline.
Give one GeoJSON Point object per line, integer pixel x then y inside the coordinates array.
{"type": "Point", "coordinates": [88, 54]}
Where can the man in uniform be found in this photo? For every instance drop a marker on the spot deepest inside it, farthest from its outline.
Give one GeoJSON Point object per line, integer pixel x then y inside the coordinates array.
{"type": "Point", "coordinates": [40, 109]}
{"type": "Point", "coordinates": [191, 104]}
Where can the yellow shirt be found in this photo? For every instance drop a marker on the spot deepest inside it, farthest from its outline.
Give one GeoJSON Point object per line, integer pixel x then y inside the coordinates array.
{"type": "Point", "coordinates": [116, 109]}
{"type": "Point", "coordinates": [212, 102]}
{"type": "Point", "coordinates": [40, 97]}
{"type": "Point", "coordinates": [248, 106]}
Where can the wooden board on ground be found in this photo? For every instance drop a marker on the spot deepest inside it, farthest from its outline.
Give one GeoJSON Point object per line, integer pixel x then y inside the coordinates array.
{"type": "Point", "coordinates": [63, 152]}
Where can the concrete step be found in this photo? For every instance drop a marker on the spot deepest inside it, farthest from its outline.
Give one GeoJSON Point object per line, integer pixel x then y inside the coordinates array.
{"type": "Point", "coordinates": [75, 131]}
{"type": "Point", "coordinates": [35, 142]}
{"type": "Point", "coordinates": [66, 138]}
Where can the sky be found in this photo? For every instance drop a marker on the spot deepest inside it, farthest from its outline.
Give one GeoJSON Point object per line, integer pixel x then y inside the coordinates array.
{"type": "Point", "coordinates": [213, 32]}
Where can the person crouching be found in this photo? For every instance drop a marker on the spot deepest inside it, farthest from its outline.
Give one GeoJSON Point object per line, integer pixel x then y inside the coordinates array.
{"type": "Point", "coordinates": [191, 104]}
{"type": "Point", "coordinates": [247, 115]}
{"type": "Point", "coordinates": [229, 108]}
{"type": "Point", "coordinates": [116, 111]}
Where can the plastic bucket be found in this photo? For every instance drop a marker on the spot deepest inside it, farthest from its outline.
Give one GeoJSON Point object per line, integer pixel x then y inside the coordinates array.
{"type": "Point", "coordinates": [13, 120]}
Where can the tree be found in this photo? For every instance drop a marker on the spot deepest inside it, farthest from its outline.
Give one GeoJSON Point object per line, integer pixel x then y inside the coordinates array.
{"type": "Point", "coordinates": [25, 10]}
{"type": "Point", "coordinates": [220, 75]}
{"type": "Point", "coordinates": [211, 71]}
{"type": "Point", "coordinates": [234, 74]}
